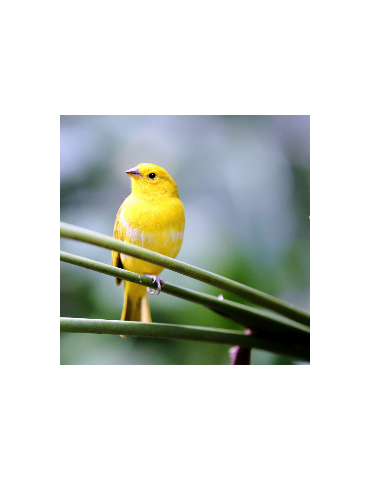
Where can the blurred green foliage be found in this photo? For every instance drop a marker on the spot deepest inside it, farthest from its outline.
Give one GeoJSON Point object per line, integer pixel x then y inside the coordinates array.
{"type": "Point", "coordinates": [244, 182]}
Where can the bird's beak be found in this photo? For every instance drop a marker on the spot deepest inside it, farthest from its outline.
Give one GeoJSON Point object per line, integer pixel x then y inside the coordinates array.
{"type": "Point", "coordinates": [134, 172]}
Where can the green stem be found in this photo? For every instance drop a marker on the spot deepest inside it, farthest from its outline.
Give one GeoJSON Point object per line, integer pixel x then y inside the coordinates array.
{"type": "Point", "coordinates": [262, 321]}
{"type": "Point", "coordinates": [184, 332]}
{"type": "Point", "coordinates": [254, 296]}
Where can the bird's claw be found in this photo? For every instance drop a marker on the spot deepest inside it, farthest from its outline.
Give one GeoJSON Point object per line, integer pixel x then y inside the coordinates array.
{"type": "Point", "coordinates": [159, 281]}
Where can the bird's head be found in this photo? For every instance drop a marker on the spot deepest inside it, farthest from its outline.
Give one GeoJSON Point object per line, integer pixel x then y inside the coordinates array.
{"type": "Point", "coordinates": [152, 181]}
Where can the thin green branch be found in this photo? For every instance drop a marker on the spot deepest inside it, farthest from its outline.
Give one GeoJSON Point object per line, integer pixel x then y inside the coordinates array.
{"type": "Point", "coordinates": [184, 332]}
{"type": "Point", "coordinates": [254, 296]}
{"type": "Point", "coordinates": [264, 322]}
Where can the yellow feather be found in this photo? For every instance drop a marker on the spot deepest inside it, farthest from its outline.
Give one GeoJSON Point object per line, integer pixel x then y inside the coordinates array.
{"type": "Point", "coordinates": [152, 217]}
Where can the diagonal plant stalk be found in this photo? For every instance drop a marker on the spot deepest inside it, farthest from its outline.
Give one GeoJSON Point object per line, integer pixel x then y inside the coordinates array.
{"type": "Point", "coordinates": [259, 298]}
{"type": "Point", "coordinates": [266, 324]}
{"type": "Point", "coordinates": [214, 335]}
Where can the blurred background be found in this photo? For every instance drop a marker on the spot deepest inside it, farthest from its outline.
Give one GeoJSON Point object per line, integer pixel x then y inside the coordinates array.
{"type": "Point", "coordinates": [244, 183]}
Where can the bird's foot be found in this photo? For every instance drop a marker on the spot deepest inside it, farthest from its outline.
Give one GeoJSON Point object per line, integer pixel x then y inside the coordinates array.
{"type": "Point", "coordinates": [159, 281]}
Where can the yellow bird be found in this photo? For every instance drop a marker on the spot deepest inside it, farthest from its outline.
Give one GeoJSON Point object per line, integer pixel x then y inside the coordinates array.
{"type": "Point", "coordinates": [152, 217]}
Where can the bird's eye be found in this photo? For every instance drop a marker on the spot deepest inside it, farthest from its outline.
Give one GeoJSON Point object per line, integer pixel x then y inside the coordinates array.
{"type": "Point", "coordinates": [152, 175]}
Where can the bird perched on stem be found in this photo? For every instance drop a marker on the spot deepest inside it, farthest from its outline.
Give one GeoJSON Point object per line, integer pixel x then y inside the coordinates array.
{"type": "Point", "coordinates": [152, 217]}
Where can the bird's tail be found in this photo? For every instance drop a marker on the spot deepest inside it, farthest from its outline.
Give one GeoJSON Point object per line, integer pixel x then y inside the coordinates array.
{"type": "Point", "coordinates": [135, 304]}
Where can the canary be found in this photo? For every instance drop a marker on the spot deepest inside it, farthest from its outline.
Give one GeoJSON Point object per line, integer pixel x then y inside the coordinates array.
{"type": "Point", "coordinates": [152, 217]}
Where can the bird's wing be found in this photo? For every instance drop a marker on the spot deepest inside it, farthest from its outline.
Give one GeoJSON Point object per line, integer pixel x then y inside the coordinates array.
{"type": "Point", "coordinates": [119, 232]}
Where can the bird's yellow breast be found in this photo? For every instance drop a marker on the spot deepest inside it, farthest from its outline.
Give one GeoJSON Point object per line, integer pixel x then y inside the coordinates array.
{"type": "Point", "coordinates": [155, 225]}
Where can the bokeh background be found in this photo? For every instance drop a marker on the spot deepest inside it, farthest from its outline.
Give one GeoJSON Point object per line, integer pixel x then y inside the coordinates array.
{"type": "Point", "coordinates": [244, 183]}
